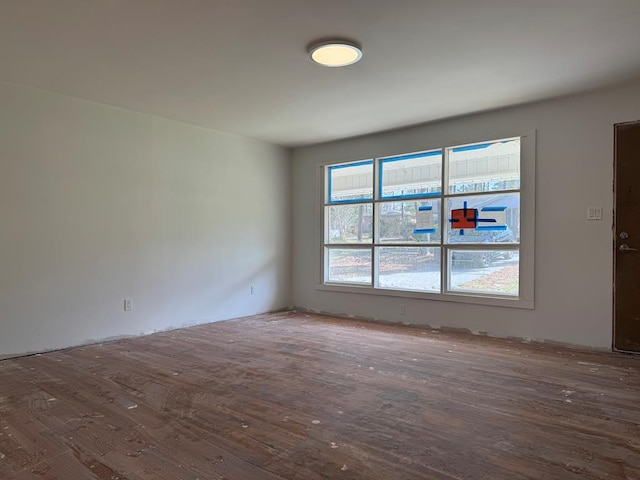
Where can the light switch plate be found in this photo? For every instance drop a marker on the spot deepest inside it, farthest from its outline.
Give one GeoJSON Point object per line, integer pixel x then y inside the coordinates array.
{"type": "Point", "coordinates": [594, 213]}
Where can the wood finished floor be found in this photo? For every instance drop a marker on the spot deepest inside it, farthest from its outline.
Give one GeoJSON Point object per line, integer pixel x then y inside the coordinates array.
{"type": "Point", "coordinates": [294, 396]}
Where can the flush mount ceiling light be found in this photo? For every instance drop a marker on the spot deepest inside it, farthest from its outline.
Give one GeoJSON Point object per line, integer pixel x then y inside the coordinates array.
{"type": "Point", "coordinates": [334, 53]}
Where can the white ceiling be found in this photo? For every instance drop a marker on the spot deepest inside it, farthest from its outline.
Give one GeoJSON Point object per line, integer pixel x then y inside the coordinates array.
{"type": "Point", "coordinates": [240, 66]}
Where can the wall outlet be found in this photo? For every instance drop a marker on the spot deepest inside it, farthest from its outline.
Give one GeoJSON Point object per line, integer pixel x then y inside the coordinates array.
{"type": "Point", "coordinates": [403, 309]}
{"type": "Point", "coordinates": [253, 290]}
{"type": "Point", "coordinates": [128, 304]}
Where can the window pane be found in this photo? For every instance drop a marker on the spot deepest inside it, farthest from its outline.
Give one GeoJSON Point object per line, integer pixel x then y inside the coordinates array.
{"type": "Point", "coordinates": [409, 222]}
{"type": "Point", "coordinates": [351, 182]}
{"type": "Point", "coordinates": [484, 218]}
{"type": "Point", "coordinates": [409, 268]}
{"type": "Point", "coordinates": [484, 271]}
{"type": "Point", "coordinates": [350, 223]}
{"type": "Point", "coordinates": [484, 168]}
{"type": "Point", "coordinates": [348, 265]}
{"type": "Point", "coordinates": [411, 175]}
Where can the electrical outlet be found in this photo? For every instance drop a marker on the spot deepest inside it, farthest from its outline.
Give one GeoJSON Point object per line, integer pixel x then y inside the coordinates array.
{"type": "Point", "coordinates": [128, 304]}
{"type": "Point", "coordinates": [253, 289]}
{"type": "Point", "coordinates": [403, 309]}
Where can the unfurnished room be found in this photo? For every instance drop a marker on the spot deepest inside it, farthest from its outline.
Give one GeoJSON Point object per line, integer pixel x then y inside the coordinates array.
{"type": "Point", "coordinates": [305, 240]}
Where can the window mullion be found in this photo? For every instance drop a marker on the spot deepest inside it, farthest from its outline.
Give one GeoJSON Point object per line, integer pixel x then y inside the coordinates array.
{"type": "Point", "coordinates": [375, 254]}
{"type": "Point", "coordinates": [444, 224]}
{"type": "Point", "coordinates": [375, 238]}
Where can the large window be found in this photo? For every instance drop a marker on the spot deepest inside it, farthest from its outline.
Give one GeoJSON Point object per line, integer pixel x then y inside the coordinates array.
{"type": "Point", "coordinates": [443, 222]}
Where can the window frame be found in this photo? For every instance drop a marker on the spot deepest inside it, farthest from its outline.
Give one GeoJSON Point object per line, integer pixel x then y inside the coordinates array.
{"type": "Point", "coordinates": [526, 245]}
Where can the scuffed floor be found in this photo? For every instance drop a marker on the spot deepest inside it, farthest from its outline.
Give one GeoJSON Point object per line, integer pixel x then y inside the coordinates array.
{"type": "Point", "coordinates": [295, 396]}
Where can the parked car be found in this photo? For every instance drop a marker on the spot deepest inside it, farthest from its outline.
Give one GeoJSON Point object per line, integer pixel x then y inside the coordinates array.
{"type": "Point", "coordinates": [481, 258]}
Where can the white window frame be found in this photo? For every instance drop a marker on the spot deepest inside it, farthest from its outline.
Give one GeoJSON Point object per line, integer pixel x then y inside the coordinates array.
{"type": "Point", "coordinates": [525, 298]}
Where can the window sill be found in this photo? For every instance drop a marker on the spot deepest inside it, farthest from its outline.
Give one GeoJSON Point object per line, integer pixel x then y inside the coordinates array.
{"type": "Point", "coordinates": [467, 298]}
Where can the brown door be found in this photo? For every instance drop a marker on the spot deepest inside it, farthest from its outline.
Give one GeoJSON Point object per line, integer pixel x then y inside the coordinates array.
{"type": "Point", "coordinates": [626, 291]}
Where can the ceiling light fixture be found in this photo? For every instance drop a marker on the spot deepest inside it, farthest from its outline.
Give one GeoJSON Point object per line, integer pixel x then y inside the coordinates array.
{"type": "Point", "coordinates": [334, 53]}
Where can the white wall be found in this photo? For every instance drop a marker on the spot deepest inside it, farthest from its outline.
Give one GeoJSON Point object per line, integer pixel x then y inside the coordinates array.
{"type": "Point", "coordinates": [98, 204]}
{"type": "Point", "coordinates": [573, 260]}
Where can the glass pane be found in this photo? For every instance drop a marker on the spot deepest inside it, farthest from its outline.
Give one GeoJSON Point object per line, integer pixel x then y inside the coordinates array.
{"type": "Point", "coordinates": [350, 223]}
{"type": "Point", "coordinates": [348, 265]}
{"type": "Point", "coordinates": [409, 268]}
{"type": "Point", "coordinates": [351, 182]}
{"type": "Point", "coordinates": [484, 218]}
{"type": "Point", "coordinates": [411, 175]}
{"type": "Point", "coordinates": [409, 222]}
{"type": "Point", "coordinates": [485, 168]}
{"type": "Point", "coordinates": [484, 271]}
